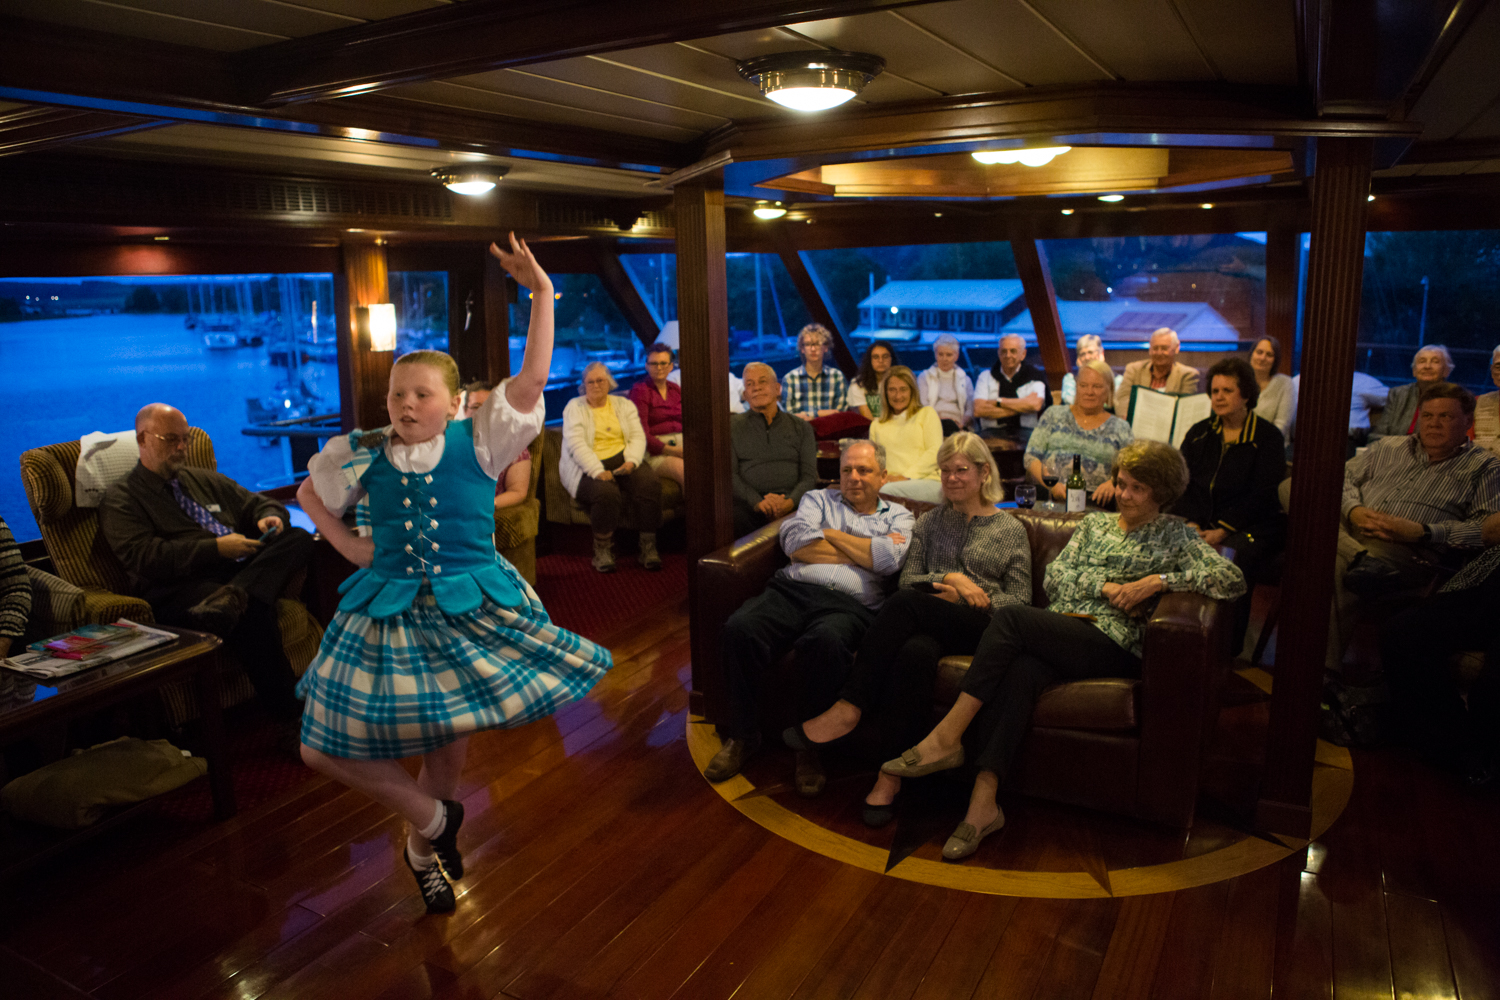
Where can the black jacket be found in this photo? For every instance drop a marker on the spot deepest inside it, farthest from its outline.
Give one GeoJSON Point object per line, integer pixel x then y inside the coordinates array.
{"type": "Point", "coordinates": [1235, 487]}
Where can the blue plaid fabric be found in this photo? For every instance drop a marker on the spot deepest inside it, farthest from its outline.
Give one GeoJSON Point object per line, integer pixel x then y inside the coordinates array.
{"type": "Point", "coordinates": [801, 393]}
{"type": "Point", "coordinates": [198, 512]}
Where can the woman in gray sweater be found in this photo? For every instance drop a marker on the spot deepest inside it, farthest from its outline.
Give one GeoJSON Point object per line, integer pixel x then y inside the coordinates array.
{"type": "Point", "coordinates": [967, 559]}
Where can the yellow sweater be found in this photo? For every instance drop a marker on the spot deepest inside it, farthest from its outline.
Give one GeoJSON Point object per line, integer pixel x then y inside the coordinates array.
{"type": "Point", "coordinates": [910, 442]}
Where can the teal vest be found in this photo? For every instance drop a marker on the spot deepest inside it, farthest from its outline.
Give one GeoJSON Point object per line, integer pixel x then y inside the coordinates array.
{"type": "Point", "coordinates": [435, 527]}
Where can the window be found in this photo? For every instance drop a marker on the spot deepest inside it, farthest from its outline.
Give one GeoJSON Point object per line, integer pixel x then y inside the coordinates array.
{"type": "Point", "coordinates": [233, 352]}
{"type": "Point", "coordinates": [589, 327]}
{"type": "Point", "coordinates": [421, 300]}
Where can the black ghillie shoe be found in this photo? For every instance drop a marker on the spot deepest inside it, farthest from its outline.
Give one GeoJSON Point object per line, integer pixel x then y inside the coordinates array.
{"type": "Point", "coordinates": [445, 844]}
{"type": "Point", "coordinates": [436, 892]}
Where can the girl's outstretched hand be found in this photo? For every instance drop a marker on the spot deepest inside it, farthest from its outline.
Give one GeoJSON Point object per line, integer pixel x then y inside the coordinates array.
{"type": "Point", "coordinates": [520, 264]}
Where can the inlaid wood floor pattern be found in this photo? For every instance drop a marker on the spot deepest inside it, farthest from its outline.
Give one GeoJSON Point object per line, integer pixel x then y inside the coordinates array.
{"type": "Point", "coordinates": [602, 865]}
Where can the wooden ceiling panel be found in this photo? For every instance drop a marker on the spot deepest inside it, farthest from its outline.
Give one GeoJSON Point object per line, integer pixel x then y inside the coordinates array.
{"type": "Point", "coordinates": [1137, 40]}
{"type": "Point", "coordinates": [372, 10]}
{"type": "Point", "coordinates": [593, 100]}
{"type": "Point", "coordinates": [748, 44]}
{"type": "Point", "coordinates": [1466, 83]}
{"type": "Point", "coordinates": [135, 23]}
{"type": "Point", "coordinates": [1009, 37]}
{"type": "Point", "coordinates": [269, 16]}
{"type": "Point", "coordinates": [712, 103]}
{"type": "Point", "coordinates": [1247, 43]}
{"type": "Point", "coordinates": [1486, 125]}
{"type": "Point", "coordinates": [512, 102]}
{"type": "Point", "coordinates": [909, 52]}
{"type": "Point", "coordinates": [1452, 169]}
{"type": "Point", "coordinates": [889, 87]}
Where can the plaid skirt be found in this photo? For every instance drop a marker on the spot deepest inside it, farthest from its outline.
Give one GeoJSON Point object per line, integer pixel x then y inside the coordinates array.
{"type": "Point", "coordinates": [417, 681]}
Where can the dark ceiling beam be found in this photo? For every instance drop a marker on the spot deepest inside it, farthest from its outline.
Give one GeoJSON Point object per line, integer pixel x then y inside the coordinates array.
{"type": "Point", "coordinates": [1452, 151]}
{"type": "Point", "coordinates": [1366, 56]}
{"type": "Point", "coordinates": [33, 128]}
{"type": "Point", "coordinates": [481, 35]}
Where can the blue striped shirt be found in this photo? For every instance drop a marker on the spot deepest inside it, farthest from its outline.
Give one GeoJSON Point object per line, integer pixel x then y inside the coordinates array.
{"type": "Point", "coordinates": [1452, 497]}
{"type": "Point", "coordinates": [822, 509]}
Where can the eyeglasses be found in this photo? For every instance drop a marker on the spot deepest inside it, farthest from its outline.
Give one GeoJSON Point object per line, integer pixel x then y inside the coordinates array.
{"type": "Point", "coordinates": [170, 440]}
{"type": "Point", "coordinates": [658, 364]}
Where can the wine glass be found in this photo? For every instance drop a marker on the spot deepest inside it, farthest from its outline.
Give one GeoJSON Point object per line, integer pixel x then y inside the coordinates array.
{"type": "Point", "coordinates": [1049, 479]}
{"type": "Point", "coordinates": [1025, 495]}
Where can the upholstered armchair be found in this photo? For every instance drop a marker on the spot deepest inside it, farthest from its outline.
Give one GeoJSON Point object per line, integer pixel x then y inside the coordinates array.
{"type": "Point", "coordinates": [563, 509]}
{"type": "Point", "coordinates": [516, 527]}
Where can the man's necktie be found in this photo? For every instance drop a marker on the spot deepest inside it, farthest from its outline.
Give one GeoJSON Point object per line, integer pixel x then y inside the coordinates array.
{"type": "Point", "coordinates": [198, 512]}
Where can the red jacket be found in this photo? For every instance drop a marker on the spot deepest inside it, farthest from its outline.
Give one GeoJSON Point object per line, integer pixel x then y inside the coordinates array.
{"type": "Point", "coordinates": [658, 416]}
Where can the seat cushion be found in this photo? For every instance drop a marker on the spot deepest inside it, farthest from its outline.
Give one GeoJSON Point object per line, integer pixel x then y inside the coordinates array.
{"type": "Point", "coordinates": [1104, 704]}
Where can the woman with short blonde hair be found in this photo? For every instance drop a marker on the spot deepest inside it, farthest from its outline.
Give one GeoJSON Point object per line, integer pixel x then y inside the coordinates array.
{"type": "Point", "coordinates": [972, 447]}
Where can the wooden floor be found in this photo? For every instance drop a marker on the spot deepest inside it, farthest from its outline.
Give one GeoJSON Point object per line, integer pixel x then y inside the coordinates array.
{"type": "Point", "coordinates": [602, 865]}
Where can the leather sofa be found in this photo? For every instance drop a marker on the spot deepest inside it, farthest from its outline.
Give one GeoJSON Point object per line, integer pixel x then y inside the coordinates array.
{"type": "Point", "coordinates": [1131, 747]}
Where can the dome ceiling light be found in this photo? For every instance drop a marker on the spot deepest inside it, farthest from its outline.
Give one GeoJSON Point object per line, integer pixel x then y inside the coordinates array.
{"type": "Point", "coordinates": [766, 210]}
{"type": "Point", "coordinates": [1026, 157]}
{"type": "Point", "coordinates": [470, 179]}
{"type": "Point", "coordinates": [812, 80]}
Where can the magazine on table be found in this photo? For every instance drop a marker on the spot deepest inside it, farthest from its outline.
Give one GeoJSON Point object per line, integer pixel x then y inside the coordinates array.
{"type": "Point", "coordinates": [1165, 416]}
{"type": "Point", "coordinates": [85, 647]}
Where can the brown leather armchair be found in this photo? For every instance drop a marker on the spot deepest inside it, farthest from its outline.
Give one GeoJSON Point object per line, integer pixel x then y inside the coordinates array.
{"type": "Point", "coordinates": [1132, 747]}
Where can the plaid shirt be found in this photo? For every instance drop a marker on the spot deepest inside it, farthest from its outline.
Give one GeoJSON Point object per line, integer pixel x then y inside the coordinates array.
{"type": "Point", "coordinates": [801, 393]}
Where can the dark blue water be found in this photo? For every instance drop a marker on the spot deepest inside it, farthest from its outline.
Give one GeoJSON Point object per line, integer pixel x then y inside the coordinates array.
{"type": "Point", "coordinates": [82, 374]}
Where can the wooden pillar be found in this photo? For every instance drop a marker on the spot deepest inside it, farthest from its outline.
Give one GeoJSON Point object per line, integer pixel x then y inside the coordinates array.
{"type": "Point", "coordinates": [1281, 292]}
{"type": "Point", "coordinates": [624, 294]}
{"type": "Point", "coordinates": [363, 375]}
{"type": "Point", "coordinates": [1041, 300]}
{"type": "Point", "coordinates": [499, 292]}
{"type": "Point", "coordinates": [815, 298]}
{"type": "Point", "coordinates": [703, 320]}
{"type": "Point", "coordinates": [1335, 272]}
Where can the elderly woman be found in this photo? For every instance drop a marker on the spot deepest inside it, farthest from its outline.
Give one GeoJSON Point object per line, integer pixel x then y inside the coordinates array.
{"type": "Point", "coordinates": [601, 467]}
{"type": "Point", "coordinates": [911, 434]}
{"type": "Point", "coordinates": [1278, 393]}
{"type": "Point", "coordinates": [1431, 365]}
{"type": "Point", "coordinates": [864, 391]}
{"type": "Point", "coordinates": [946, 387]}
{"type": "Point", "coordinates": [1089, 348]}
{"type": "Point", "coordinates": [1100, 589]}
{"type": "Point", "coordinates": [967, 560]}
{"type": "Point", "coordinates": [1486, 426]}
{"type": "Point", "coordinates": [1236, 459]}
{"type": "Point", "coordinates": [658, 400]}
{"type": "Point", "coordinates": [1084, 429]}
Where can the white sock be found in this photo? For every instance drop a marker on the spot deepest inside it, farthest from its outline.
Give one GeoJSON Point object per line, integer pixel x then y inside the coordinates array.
{"type": "Point", "coordinates": [421, 862]}
{"type": "Point", "coordinates": [439, 820]}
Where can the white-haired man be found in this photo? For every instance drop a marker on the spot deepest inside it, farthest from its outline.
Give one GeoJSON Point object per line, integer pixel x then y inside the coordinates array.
{"type": "Point", "coordinates": [773, 456]}
{"type": "Point", "coordinates": [814, 389]}
{"type": "Point", "coordinates": [1160, 371]}
{"type": "Point", "coordinates": [1010, 396]}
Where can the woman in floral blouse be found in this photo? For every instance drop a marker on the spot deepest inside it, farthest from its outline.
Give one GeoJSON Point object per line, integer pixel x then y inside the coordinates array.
{"type": "Point", "coordinates": [1100, 588]}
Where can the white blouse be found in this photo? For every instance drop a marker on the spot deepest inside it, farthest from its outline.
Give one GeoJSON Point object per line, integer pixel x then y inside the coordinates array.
{"type": "Point", "coordinates": [501, 433]}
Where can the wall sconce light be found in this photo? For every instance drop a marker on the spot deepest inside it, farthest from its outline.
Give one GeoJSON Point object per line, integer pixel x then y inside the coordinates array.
{"type": "Point", "coordinates": [378, 322]}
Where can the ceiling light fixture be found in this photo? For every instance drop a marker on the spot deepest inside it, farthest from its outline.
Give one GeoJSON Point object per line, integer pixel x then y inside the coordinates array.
{"type": "Point", "coordinates": [766, 210]}
{"type": "Point", "coordinates": [1369, 197]}
{"type": "Point", "coordinates": [1207, 204]}
{"type": "Point", "coordinates": [1111, 197]}
{"type": "Point", "coordinates": [1067, 211]}
{"type": "Point", "coordinates": [811, 81]}
{"type": "Point", "coordinates": [470, 178]}
{"type": "Point", "coordinates": [1026, 157]}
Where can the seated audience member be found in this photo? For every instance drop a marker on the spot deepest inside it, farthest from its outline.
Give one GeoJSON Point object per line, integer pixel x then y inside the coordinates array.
{"type": "Point", "coordinates": [864, 391]}
{"type": "Point", "coordinates": [1278, 396]}
{"type": "Point", "coordinates": [813, 388]}
{"type": "Point", "coordinates": [1236, 459]}
{"type": "Point", "coordinates": [1109, 573]}
{"type": "Point", "coordinates": [15, 592]}
{"type": "Point", "coordinates": [773, 455]}
{"type": "Point", "coordinates": [1009, 396]}
{"type": "Point", "coordinates": [1160, 371]}
{"type": "Point", "coordinates": [1369, 393]}
{"type": "Point", "coordinates": [946, 387]}
{"type": "Point", "coordinates": [659, 402]}
{"type": "Point", "coordinates": [194, 545]}
{"type": "Point", "coordinates": [973, 560]}
{"type": "Point", "coordinates": [736, 389]}
{"type": "Point", "coordinates": [602, 467]}
{"type": "Point", "coordinates": [1431, 365]}
{"type": "Point", "coordinates": [1089, 348]}
{"type": "Point", "coordinates": [1085, 429]}
{"type": "Point", "coordinates": [911, 434]}
{"type": "Point", "coordinates": [515, 482]}
{"type": "Point", "coordinates": [1411, 503]}
{"type": "Point", "coordinates": [1433, 716]}
{"type": "Point", "coordinates": [1487, 410]}
{"type": "Point", "coordinates": [843, 544]}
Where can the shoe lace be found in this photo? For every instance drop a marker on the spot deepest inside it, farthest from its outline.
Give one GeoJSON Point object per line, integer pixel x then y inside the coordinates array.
{"type": "Point", "coordinates": [432, 880]}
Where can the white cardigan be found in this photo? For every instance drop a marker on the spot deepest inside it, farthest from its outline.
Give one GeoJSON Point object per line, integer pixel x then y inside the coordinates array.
{"type": "Point", "coordinates": [578, 458]}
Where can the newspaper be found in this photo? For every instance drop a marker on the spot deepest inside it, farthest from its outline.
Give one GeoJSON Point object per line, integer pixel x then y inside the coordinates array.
{"type": "Point", "coordinates": [44, 666]}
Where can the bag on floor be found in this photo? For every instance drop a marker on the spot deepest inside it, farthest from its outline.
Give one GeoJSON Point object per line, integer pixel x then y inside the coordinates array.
{"type": "Point", "coordinates": [78, 790]}
{"type": "Point", "coordinates": [1354, 715]}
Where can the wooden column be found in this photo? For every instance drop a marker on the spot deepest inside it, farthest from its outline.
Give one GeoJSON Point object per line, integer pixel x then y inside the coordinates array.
{"type": "Point", "coordinates": [1041, 299]}
{"type": "Point", "coordinates": [1334, 274]}
{"type": "Point", "coordinates": [363, 375]}
{"type": "Point", "coordinates": [624, 294]}
{"type": "Point", "coordinates": [703, 319]}
{"type": "Point", "coordinates": [1281, 292]}
{"type": "Point", "coordinates": [815, 297]}
{"type": "Point", "coordinates": [499, 292]}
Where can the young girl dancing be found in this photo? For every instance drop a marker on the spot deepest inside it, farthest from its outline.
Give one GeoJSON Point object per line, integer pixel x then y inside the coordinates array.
{"type": "Point", "coordinates": [436, 636]}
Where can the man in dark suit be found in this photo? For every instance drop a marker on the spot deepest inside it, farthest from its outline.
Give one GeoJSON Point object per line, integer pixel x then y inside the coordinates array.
{"type": "Point", "coordinates": [194, 543]}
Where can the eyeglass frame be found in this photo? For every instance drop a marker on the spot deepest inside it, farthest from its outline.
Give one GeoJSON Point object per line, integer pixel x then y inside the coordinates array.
{"type": "Point", "coordinates": [171, 440]}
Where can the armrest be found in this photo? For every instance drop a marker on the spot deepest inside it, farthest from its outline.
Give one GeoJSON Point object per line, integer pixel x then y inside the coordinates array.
{"type": "Point", "coordinates": [1186, 654]}
{"type": "Point", "coordinates": [57, 606]}
{"type": "Point", "coordinates": [725, 579]}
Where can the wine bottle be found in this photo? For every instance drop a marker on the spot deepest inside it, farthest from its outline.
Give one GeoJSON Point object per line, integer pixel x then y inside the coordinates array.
{"type": "Point", "coordinates": [1078, 493]}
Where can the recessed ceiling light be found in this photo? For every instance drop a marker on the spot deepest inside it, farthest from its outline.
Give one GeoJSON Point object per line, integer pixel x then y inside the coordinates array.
{"type": "Point", "coordinates": [1111, 197]}
{"type": "Point", "coordinates": [1369, 197]}
{"type": "Point", "coordinates": [1207, 204]}
{"type": "Point", "coordinates": [811, 81]}
{"type": "Point", "coordinates": [470, 179]}
{"type": "Point", "coordinates": [1067, 211]}
{"type": "Point", "coordinates": [1039, 157]}
{"type": "Point", "coordinates": [766, 210]}
{"type": "Point", "coordinates": [161, 239]}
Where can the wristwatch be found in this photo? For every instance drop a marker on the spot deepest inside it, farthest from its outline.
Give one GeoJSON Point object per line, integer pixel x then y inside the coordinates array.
{"type": "Point", "coordinates": [1426, 533]}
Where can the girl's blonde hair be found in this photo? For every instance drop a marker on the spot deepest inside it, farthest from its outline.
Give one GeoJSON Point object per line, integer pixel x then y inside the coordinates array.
{"type": "Point", "coordinates": [972, 447]}
{"type": "Point", "coordinates": [904, 374]}
{"type": "Point", "coordinates": [437, 359]}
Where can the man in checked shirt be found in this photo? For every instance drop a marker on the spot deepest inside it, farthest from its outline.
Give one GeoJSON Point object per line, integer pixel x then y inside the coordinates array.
{"type": "Point", "coordinates": [1411, 504]}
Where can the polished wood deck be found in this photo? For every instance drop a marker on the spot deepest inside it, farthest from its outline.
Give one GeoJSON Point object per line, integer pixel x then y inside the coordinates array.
{"type": "Point", "coordinates": [602, 865]}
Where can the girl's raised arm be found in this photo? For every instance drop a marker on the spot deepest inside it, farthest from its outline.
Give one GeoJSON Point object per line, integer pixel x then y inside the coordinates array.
{"type": "Point", "coordinates": [524, 389]}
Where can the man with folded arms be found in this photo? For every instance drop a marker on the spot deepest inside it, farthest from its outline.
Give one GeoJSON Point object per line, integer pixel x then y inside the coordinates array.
{"type": "Point", "coordinates": [844, 544]}
{"type": "Point", "coordinates": [189, 538]}
{"type": "Point", "coordinates": [1411, 505]}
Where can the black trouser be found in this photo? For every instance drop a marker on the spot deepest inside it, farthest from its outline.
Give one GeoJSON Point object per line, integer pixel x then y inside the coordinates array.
{"type": "Point", "coordinates": [1251, 552]}
{"type": "Point", "coordinates": [604, 498]}
{"type": "Point", "coordinates": [747, 518]}
{"type": "Point", "coordinates": [1023, 651]}
{"type": "Point", "coordinates": [822, 626]}
{"type": "Point", "coordinates": [891, 681]}
{"type": "Point", "coordinates": [1414, 650]}
{"type": "Point", "coordinates": [257, 638]}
